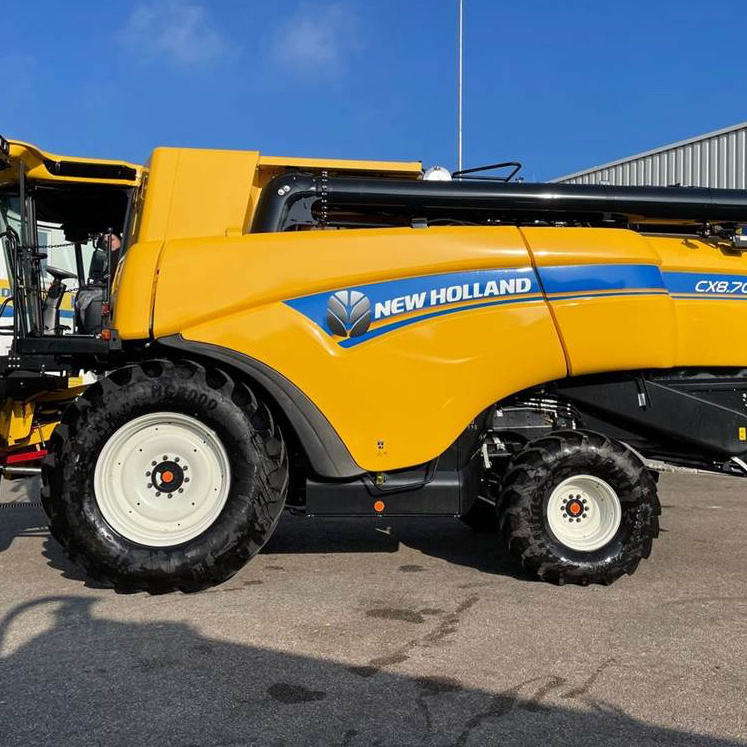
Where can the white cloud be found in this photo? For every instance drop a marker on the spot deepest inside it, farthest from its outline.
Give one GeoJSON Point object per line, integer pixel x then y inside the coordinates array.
{"type": "Point", "coordinates": [318, 37]}
{"type": "Point", "coordinates": [176, 30]}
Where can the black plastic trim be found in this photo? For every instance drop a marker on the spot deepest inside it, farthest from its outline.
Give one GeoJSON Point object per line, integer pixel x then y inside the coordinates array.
{"type": "Point", "coordinates": [327, 453]}
{"type": "Point", "coordinates": [703, 415]}
{"type": "Point", "coordinates": [85, 170]}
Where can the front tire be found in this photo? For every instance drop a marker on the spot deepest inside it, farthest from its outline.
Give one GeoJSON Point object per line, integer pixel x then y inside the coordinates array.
{"type": "Point", "coordinates": [165, 476]}
{"type": "Point", "coordinates": [579, 507]}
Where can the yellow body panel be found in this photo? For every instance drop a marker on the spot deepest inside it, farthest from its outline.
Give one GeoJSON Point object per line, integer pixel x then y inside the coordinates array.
{"type": "Point", "coordinates": [588, 246]}
{"type": "Point", "coordinates": [616, 334]}
{"type": "Point", "coordinates": [178, 203]}
{"type": "Point", "coordinates": [430, 377]}
{"type": "Point", "coordinates": [602, 330]}
{"type": "Point", "coordinates": [710, 331]}
{"type": "Point", "coordinates": [225, 276]}
{"type": "Point", "coordinates": [134, 291]}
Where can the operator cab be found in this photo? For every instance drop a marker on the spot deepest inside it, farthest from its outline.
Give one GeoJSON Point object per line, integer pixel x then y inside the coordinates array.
{"type": "Point", "coordinates": [61, 223]}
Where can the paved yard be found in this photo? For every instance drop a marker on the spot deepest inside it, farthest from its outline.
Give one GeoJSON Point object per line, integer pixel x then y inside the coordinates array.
{"type": "Point", "coordinates": [404, 632]}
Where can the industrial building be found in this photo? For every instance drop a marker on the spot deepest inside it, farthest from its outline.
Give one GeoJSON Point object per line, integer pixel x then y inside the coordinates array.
{"type": "Point", "coordinates": [716, 159]}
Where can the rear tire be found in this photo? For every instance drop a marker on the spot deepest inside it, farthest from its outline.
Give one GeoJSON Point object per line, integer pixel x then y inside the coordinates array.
{"type": "Point", "coordinates": [159, 528]}
{"type": "Point", "coordinates": [579, 507]}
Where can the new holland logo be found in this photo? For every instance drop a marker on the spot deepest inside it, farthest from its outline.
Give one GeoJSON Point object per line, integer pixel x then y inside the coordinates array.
{"type": "Point", "coordinates": [348, 313]}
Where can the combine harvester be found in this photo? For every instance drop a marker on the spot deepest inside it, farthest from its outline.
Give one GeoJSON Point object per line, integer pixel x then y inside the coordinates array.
{"type": "Point", "coordinates": [349, 338]}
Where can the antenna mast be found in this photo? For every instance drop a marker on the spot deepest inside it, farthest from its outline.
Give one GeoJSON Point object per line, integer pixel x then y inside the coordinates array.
{"type": "Point", "coordinates": [461, 70]}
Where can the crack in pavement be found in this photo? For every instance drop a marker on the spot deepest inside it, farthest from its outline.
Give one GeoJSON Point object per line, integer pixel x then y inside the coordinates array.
{"type": "Point", "coordinates": [448, 625]}
{"type": "Point", "coordinates": [508, 700]}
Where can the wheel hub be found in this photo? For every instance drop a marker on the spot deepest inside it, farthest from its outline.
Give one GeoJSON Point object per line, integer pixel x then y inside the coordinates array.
{"type": "Point", "coordinates": [584, 512]}
{"type": "Point", "coordinates": [575, 507]}
{"type": "Point", "coordinates": [167, 476]}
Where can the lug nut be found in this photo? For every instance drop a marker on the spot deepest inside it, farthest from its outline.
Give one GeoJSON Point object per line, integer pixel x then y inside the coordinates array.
{"type": "Point", "coordinates": [181, 490]}
{"type": "Point", "coordinates": [158, 492]}
{"type": "Point", "coordinates": [176, 459]}
{"type": "Point", "coordinates": [150, 484]}
{"type": "Point", "coordinates": [147, 474]}
{"type": "Point", "coordinates": [153, 464]}
{"type": "Point", "coordinates": [186, 479]}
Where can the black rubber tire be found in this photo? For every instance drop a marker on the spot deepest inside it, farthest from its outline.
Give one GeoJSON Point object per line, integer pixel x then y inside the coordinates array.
{"type": "Point", "coordinates": [259, 477]}
{"type": "Point", "coordinates": [482, 517]}
{"type": "Point", "coordinates": [530, 479]}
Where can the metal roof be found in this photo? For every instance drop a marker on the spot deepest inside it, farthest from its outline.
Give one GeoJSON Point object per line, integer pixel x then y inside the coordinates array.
{"type": "Point", "coordinates": [716, 159]}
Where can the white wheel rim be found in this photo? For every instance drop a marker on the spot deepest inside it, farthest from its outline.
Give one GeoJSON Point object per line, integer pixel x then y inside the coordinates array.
{"type": "Point", "coordinates": [584, 513]}
{"type": "Point", "coordinates": [173, 452]}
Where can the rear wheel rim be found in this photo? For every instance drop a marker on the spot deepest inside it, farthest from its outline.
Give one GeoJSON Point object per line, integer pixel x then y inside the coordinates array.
{"type": "Point", "coordinates": [584, 513]}
{"type": "Point", "coordinates": [162, 479]}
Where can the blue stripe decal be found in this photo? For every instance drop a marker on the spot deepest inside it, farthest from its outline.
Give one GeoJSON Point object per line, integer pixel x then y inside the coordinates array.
{"type": "Point", "coordinates": [349, 313]}
{"type": "Point", "coordinates": [580, 278]}
{"type": "Point", "coordinates": [353, 341]}
{"type": "Point", "coordinates": [392, 299]}
{"type": "Point", "coordinates": [706, 284]}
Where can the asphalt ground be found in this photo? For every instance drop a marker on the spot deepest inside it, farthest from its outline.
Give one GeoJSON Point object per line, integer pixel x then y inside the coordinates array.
{"type": "Point", "coordinates": [392, 632]}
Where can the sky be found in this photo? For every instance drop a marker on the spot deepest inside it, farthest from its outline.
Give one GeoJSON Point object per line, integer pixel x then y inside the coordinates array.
{"type": "Point", "coordinates": [559, 86]}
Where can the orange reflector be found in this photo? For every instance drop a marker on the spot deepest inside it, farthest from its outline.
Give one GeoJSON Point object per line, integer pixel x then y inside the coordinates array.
{"type": "Point", "coordinates": [167, 476]}
{"type": "Point", "coordinates": [575, 508]}
{"type": "Point", "coordinates": [379, 506]}
{"type": "Point", "coordinates": [106, 334]}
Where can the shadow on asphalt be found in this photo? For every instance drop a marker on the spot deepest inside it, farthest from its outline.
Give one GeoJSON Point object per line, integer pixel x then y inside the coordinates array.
{"type": "Point", "coordinates": [19, 521]}
{"type": "Point", "coordinates": [443, 538]}
{"type": "Point", "coordinates": [97, 681]}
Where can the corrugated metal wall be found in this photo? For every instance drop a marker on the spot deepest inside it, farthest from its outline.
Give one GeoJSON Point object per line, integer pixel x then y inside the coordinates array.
{"type": "Point", "coordinates": [718, 159]}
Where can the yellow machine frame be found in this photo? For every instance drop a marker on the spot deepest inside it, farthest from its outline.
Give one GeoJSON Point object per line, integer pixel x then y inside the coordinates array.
{"type": "Point", "coordinates": [192, 270]}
